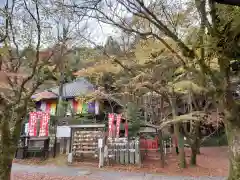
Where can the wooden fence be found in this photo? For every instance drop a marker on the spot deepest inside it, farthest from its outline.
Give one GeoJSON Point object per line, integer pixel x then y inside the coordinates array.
{"type": "Point", "coordinates": [123, 151]}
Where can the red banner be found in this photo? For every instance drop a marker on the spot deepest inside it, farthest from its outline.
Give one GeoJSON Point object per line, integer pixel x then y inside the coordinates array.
{"type": "Point", "coordinates": [119, 117]}
{"type": "Point", "coordinates": [110, 124]}
{"type": "Point", "coordinates": [44, 124]}
{"type": "Point", "coordinates": [32, 124]}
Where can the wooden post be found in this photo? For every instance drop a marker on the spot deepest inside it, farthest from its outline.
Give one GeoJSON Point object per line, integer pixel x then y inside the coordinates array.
{"type": "Point", "coordinates": [165, 147]}
{"type": "Point", "coordinates": [101, 158]}
{"type": "Point", "coordinates": [122, 152]}
{"type": "Point", "coordinates": [127, 153]}
{"type": "Point", "coordinates": [101, 153]}
{"type": "Point", "coordinates": [70, 158]}
{"type": "Point", "coordinates": [131, 152]}
{"type": "Point", "coordinates": [137, 152]}
{"type": "Point", "coordinates": [71, 141]}
{"type": "Point", "coordinates": [67, 145]}
{"type": "Point", "coordinates": [117, 152]}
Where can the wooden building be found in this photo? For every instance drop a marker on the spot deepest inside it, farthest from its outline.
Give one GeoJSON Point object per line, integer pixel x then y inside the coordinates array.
{"type": "Point", "coordinates": [77, 111]}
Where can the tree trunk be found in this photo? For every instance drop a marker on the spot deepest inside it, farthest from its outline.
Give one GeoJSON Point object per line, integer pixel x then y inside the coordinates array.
{"type": "Point", "coordinates": [6, 164]}
{"type": "Point", "coordinates": [7, 151]}
{"type": "Point", "coordinates": [161, 149]}
{"type": "Point", "coordinates": [181, 151]}
{"type": "Point", "coordinates": [198, 149]}
{"type": "Point", "coordinates": [178, 134]}
{"type": "Point", "coordinates": [195, 144]}
{"type": "Point", "coordinates": [182, 159]}
{"type": "Point", "coordinates": [231, 110]}
{"type": "Point", "coordinates": [199, 137]}
{"type": "Point", "coordinates": [194, 149]}
{"type": "Point", "coordinates": [233, 135]}
{"type": "Point", "coordinates": [8, 145]}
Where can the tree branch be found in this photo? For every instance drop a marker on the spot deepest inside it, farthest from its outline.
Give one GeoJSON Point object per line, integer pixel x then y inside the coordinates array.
{"type": "Point", "coordinates": [160, 25]}
{"type": "Point", "coordinates": [34, 68]}
{"type": "Point", "coordinates": [4, 37]}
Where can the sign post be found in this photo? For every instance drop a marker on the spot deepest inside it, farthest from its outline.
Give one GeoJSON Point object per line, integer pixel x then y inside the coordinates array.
{"type": "Point", "coordinates": [101, 157]}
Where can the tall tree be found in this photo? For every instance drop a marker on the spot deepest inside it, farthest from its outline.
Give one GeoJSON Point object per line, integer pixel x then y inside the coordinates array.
{"type": "Point", "coordinates": [24, 67]}
{"type": "Point", "coordinates": [147, 68]}
{"type": "Point", "coordinates": [219, 37]}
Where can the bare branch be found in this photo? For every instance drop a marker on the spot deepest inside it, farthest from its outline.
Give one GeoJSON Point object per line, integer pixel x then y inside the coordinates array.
{"type": "Point", "coordinates": [34, 67]}
{"type": "Point", "coordinates": [4, 37]}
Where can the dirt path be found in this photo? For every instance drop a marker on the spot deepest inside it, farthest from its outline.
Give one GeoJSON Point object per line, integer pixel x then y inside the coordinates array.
{"type": "Point", "coordinates": [29, 172]}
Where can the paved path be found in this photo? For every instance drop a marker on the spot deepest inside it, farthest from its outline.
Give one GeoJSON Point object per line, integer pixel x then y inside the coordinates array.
{"type": "Point", "coordinates": [100, 174]}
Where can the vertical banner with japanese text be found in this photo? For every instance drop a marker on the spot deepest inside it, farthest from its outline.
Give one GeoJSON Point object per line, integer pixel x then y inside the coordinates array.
{"type": "Point", "coordinates": [110, 124]}
{"type": "Point", "coordinates": [44, 124]}
{"type": "Point", "coordinates": [119, 117]}
{"type": "Point", "coordinates": [32, 124]}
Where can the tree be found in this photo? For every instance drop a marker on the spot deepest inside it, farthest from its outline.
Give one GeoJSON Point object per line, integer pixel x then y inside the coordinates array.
{"type": "Point", "coordinates": [25, 67]}
{"type": "Point", "coordinates": [16, 99]}
{"type": "Point", "coordinates": [218, 39]}
{"type": "Point", "coordinates": [142, 70]}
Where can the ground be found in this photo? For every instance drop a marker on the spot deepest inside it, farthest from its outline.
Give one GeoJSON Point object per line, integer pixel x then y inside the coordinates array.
{"type": "Point", "coordinates": [41, 176]}
{"type": "Point", "coordinates": [213, 162]}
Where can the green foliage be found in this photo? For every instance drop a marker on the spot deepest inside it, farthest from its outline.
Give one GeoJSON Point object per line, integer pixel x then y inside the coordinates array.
{"type": "Point", "coordinates": [134, 118]}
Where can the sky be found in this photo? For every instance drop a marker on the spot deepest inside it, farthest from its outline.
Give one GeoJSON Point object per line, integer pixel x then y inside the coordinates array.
{"type": "Point", "coordinates": [101, 31]}
{"type": "Point", "coordinates": [98, 32]}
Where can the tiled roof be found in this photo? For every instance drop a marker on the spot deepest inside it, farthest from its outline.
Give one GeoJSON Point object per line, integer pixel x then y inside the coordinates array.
{"type": "Point", "coordinates": [73, 89]}
{"type": "Point", "coordinates": [44, 95]}
{"type": "Point", "coordinates": [76, 88]}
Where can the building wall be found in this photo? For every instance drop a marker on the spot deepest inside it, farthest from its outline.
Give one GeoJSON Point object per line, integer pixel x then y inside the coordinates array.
{"type": "Point", "coordinates": [74, 106]}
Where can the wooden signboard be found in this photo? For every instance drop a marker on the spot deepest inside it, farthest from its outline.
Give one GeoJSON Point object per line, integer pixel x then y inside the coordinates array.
{"type": "Point", "coordinates": [86, 142]}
